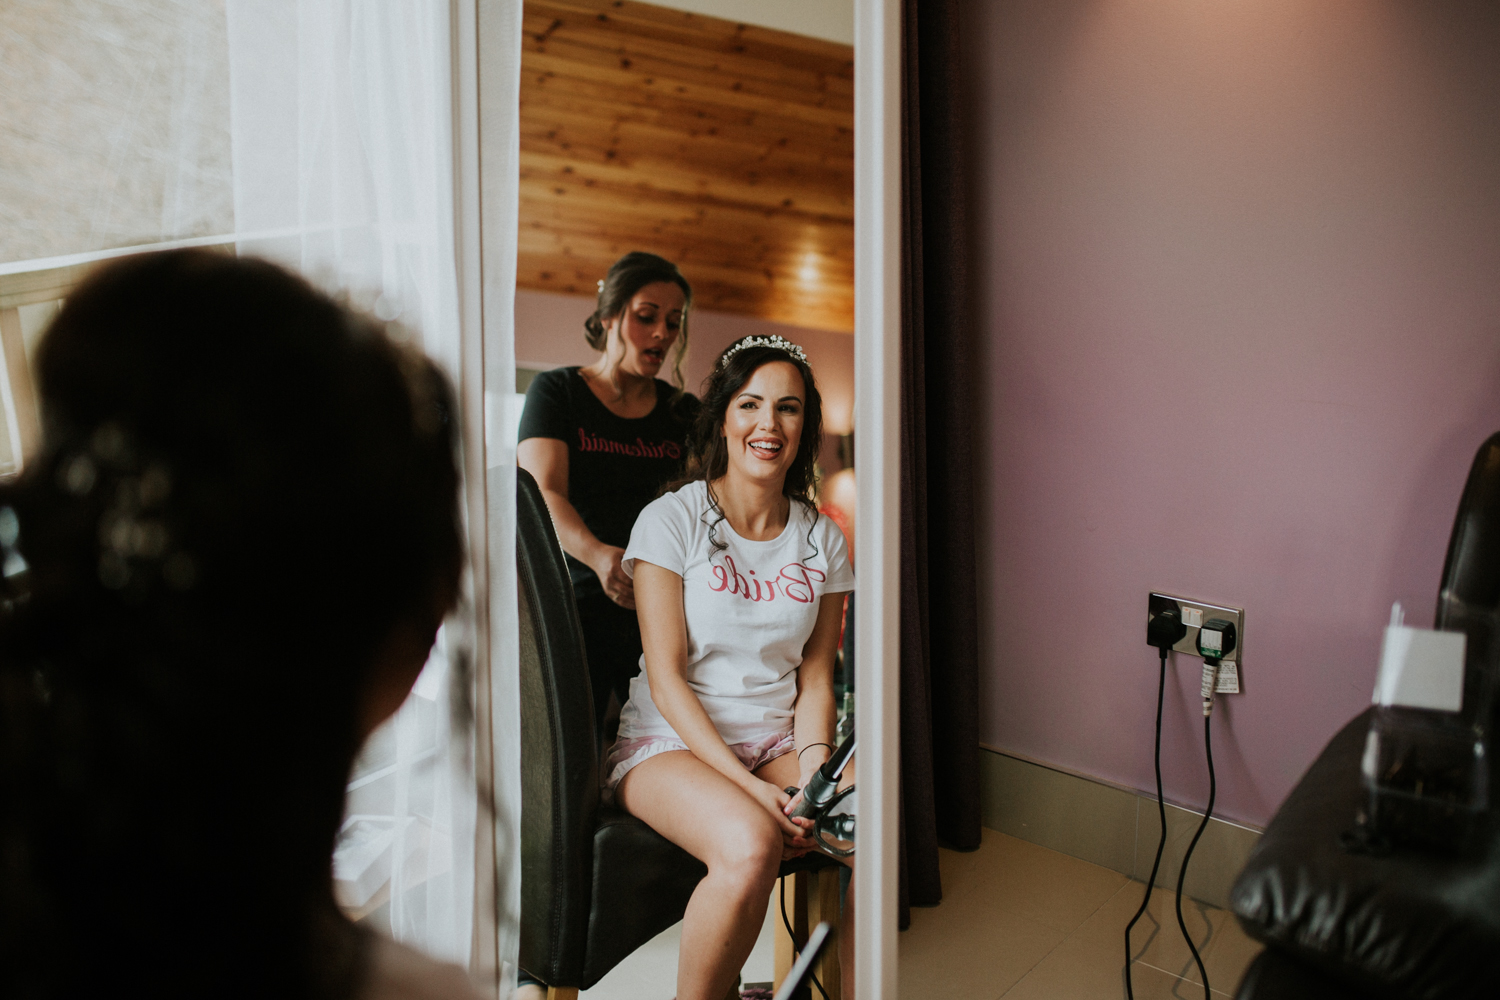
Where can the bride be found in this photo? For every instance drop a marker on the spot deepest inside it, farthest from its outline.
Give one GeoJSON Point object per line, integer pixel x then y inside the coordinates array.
{"type": "Point", "coordinates": [740, 587]}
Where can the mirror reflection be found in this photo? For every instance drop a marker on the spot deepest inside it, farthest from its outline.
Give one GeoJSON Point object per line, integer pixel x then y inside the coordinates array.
{"type": "Point", "coordinates": [684, 311]}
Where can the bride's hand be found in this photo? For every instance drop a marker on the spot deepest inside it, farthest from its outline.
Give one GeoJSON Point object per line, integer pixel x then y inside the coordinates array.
{"type": "Point", "coordinates": [796, 837]}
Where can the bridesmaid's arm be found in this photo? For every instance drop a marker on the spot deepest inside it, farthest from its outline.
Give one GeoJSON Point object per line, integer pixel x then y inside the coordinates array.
{"type": "Point", "coordinates": [547, 461]}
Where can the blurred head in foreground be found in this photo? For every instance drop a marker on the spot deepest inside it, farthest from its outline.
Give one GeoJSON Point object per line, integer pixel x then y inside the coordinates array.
{"type": "Point", "coordinates": [224, 567]}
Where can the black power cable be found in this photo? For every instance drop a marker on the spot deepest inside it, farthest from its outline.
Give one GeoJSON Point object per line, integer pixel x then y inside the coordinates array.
{"type": "Point", "coordinates": [1216, 637]}
{"type": "Point", "coordinates": [1182, 876]}
{"type": "Point", "coordinates": [793, 938]}
{"type": "Point", "coordinates": [1161, 806]}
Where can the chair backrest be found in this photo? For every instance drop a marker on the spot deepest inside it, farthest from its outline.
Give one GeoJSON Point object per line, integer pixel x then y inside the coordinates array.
{"type": "Point", "coordinates": [1471, 572]}
{"type": "Point", "coordinates": [559, 767]}
{"type": "Point", "coordinates": [1469, 597]}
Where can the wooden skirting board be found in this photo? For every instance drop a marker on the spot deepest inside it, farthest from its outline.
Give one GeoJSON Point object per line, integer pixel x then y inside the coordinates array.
{"type": "Point", "coordinates": [1109, 826]}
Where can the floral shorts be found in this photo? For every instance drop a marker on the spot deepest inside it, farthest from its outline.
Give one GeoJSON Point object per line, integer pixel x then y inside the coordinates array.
{"type": "Point", "coordinates": [630, 751]}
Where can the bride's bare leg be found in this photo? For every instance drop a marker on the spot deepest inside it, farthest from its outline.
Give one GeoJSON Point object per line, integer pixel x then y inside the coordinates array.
{"type": "Point", "coordinates": [704, 813]}
{"type": "Point", "coordinates": [783, 772]}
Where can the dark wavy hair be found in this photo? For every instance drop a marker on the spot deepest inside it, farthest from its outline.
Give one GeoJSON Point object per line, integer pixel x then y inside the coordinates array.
{"type": "Point", "coordinates": [627, 276]}
{"type": "Point", "coordinates": [241, 490]}
{"type": "Point", "coordinates": [708, 455]}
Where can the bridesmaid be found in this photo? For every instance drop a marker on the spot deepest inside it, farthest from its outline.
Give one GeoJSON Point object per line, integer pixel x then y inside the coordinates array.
{"type": "Point", "coordinates": [601, 440]}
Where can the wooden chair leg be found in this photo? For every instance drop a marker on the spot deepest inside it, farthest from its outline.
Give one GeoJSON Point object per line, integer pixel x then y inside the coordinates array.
{"type": "Point", "coordinates": [796, 911]}
{"type": "Point", "coordinates": [562, 993]}
{"type": "Point", "coordinates": [810, 897]}
{"type": "Point", "coordinates": [823, 904]}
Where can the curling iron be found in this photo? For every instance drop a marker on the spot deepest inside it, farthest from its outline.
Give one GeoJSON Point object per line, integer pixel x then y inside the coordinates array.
{"type": "Point", "coordinates": [821, 802]}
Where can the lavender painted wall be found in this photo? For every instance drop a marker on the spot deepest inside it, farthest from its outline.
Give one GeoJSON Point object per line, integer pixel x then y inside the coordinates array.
{"type": "Point", "coordinates": [1241, 315]}
{"type": "Point", "coordinates": [549, 334]}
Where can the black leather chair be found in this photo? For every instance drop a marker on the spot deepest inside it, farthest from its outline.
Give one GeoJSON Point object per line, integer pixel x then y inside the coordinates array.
{"type": "Point", "coordinates": [596, 883]}
{"type": "Point", "coordinates": [1341, 924]}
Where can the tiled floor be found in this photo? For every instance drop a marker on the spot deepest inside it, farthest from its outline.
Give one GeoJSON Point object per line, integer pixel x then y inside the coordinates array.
{"type": "Point", "coordinates": [650, 973]}
{"type": "Point", "coordinates": [1020, 922]}
{"type": "Point", "coordinates": [1024, 923]}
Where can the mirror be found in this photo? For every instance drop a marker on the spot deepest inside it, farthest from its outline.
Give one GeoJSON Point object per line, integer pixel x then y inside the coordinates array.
{"type": "Point", "coordinates": [728, 149]}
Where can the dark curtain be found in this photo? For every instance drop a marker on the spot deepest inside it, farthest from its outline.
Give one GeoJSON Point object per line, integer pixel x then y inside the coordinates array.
{"type": "Point", "coordinates": [939, 640]}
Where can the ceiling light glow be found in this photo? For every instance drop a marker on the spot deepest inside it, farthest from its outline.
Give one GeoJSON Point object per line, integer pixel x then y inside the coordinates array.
{"type": "Point", "coordinates": [808, 272]}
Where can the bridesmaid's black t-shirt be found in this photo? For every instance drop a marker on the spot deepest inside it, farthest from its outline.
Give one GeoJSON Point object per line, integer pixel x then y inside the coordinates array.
{"type": "Point", "coordinates": [615, 465]}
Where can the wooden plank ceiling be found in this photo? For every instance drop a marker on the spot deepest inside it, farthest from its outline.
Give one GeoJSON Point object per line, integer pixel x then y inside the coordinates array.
{"type": "Point", "coordinates": [725, 147]}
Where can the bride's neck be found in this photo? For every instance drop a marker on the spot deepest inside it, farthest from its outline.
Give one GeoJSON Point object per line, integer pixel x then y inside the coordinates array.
{"type": "Point", "coordinates": [756, 511]}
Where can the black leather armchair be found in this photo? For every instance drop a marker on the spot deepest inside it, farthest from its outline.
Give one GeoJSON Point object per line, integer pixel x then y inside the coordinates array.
{"type": "Point", "coordinates": [1341, 923]}
{"type": "Point", "coordinates": [596, 883]}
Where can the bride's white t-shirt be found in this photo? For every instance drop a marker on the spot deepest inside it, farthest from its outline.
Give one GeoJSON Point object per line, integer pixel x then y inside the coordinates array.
{"type": "Point", "coordinates": [750, 609]}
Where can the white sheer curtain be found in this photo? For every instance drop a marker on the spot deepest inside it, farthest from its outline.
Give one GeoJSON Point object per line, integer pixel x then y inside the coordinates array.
{"type": "Point", "coordinates": [342, 144]}
{"type": "Point", "coordinates": [355, 142]}
{"type": "Point", "coordinates": [342, 138]}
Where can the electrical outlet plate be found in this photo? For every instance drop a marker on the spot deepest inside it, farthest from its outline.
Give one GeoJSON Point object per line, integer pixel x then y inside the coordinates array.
{"type": "Point", "coordinates": [1204, 611]}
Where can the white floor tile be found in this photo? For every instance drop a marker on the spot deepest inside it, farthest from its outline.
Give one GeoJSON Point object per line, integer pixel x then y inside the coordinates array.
{"type": "Point", "coordinates": [651, 972]}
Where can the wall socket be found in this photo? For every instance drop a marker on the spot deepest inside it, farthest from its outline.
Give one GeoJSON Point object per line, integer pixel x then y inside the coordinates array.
{"type": "Point", "coordinates": [1194, 614]}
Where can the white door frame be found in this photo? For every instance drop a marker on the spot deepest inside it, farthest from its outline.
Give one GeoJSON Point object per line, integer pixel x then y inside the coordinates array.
{"type": "Point", "coordinates": [486, 69]}
{"type": "Point", "coordinates": [877, 367]}
{"type": "Point", "coordinates": [877, 444]}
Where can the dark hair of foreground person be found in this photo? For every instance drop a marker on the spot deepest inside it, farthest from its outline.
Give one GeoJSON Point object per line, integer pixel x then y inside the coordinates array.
{"type": "Point", "coordinates": [244, 508]}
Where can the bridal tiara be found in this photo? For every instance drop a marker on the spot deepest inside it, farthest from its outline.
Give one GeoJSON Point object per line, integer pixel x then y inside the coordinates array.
{"type": "Point", "coordinates": [774, 340]}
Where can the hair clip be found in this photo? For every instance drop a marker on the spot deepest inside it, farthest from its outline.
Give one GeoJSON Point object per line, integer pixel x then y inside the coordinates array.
{"type": "Point", "coordinates": [774, 340]}
{"type": "Point", "coordinates": [601, 285]}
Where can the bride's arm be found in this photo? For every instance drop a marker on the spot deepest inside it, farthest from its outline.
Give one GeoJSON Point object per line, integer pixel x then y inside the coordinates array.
{"type": "Point", "coordinates": [815, 714]}
{"type": "Point", "coordinates": [658, 601]}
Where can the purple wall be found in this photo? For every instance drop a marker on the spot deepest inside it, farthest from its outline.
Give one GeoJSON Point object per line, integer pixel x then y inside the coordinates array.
{"type": "Point", "coordinates": [1241, 313]}
{"type": "Point", "coordinates": [549, 334]}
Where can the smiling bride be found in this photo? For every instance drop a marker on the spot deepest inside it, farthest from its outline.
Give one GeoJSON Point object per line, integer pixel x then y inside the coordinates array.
{"type": "Point", "coordinates": [739, 586]}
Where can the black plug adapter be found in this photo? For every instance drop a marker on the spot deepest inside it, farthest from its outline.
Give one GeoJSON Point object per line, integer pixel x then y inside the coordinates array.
{"type": "Point", "coordinates": [1216, 639]}
{"type": "Point", "coordinates": [1164, 629]}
